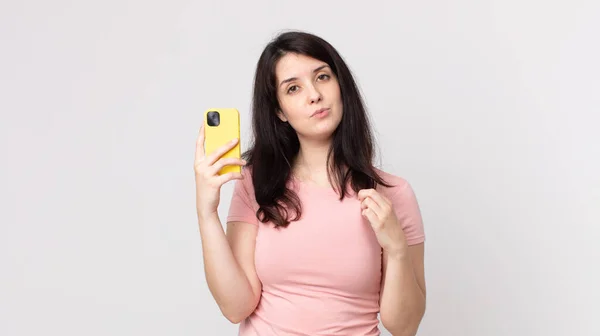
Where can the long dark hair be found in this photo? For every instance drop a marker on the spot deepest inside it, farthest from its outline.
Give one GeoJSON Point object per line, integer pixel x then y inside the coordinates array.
{"type": "Point", "coordinates": [276, 145]}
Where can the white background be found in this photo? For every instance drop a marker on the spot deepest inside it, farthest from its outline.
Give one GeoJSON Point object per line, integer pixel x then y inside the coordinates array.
{"type": "Point", "coordinates": [489, 108]}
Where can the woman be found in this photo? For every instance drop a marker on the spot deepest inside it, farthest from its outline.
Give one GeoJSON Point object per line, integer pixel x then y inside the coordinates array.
{"type": "Point", "coordinates": [318, 240]}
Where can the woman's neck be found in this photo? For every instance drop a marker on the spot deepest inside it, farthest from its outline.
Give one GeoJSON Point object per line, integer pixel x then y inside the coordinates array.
{"type": "Point", "coordinates": [311, 163]}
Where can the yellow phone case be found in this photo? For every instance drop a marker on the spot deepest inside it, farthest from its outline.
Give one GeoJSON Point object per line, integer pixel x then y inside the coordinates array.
{"type": "Point", "coordinates": [219, 133]}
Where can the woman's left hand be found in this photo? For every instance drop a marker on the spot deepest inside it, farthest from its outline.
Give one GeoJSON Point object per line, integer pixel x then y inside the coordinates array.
{"type": "Point", "coordinates": [380, 212]}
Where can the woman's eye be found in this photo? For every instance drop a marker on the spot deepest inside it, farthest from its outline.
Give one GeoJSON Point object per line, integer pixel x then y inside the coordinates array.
{"type": "Point", "coordinates": [323, 76]}
{"type": "Point", "coordinates": [292, 89]}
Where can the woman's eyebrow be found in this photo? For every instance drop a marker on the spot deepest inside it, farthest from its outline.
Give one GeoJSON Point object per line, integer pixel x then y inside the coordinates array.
{"type": "Point", "coordinates": [291, 79]}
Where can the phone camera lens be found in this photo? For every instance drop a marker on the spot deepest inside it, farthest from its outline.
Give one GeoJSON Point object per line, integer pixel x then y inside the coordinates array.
{"type": "Point", "coordinates": [213, 118]}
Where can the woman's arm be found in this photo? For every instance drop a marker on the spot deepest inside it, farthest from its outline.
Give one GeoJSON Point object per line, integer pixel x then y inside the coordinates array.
{"type": "Point", "coordinates": [403, 294]}
{"type": "Point", "coordinates": [229, 266]}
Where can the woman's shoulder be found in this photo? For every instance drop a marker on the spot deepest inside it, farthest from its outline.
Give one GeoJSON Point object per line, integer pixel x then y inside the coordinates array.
{"type": "Point", "coordinates": [405, 205]}
{"type": "Point", "coordinates": [396, 182]}
{"type": "Point", "coordinates": [245, 185]}
{"type": "Point", "coordinates": [400, 189]}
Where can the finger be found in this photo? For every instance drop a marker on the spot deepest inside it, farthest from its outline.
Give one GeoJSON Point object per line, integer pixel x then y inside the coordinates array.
{"type": "Point", "coordinates": [369, 204]}
{"type": "Point", "coordinates": [373, 219]}
{"type": "Point", "coordinates": [381, 200]}
{"type": "Point", "coordinates": [375, 195]}
{"type": "Point", "coordinates": [214, 156]}
{"type": "Point", "coordinates": [217, 166]}
{"type": "Point", "coordinates": [222, 179]}
{"type": "Point", "coordinates": [364, 193]}
{"type": "Point", "coordinates": [200, 144]}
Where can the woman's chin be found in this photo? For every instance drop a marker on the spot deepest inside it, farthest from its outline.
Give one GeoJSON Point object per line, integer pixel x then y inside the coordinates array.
{"type": "Point", "coordinates": [323, 134]}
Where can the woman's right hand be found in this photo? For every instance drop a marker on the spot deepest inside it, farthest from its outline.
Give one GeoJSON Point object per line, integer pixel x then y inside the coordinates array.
{"type": "Point", "coordinates": [208, 181]}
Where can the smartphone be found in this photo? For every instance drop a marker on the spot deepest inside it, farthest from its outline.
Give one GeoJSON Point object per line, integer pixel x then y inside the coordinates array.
{"type": "Point", "coordinates": [221, 125]}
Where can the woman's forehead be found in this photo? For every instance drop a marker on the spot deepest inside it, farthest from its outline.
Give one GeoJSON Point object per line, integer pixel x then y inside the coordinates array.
{"type": "Point", "coordinates": [296, 65]}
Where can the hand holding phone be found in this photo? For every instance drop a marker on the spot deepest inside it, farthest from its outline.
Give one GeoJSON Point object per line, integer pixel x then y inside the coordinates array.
{"type": "Point", "coordinates": [218, 157]}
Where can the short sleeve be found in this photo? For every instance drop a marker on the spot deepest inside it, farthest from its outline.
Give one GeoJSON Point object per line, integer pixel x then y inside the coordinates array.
{"type": "Point", "coordinates": [408, 213]}
{"type": "Point", "coordinates": [242, 207]}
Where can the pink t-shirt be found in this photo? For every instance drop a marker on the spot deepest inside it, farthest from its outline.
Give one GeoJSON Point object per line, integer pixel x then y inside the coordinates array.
{"type": "Point", "coordinates": [322, 274]}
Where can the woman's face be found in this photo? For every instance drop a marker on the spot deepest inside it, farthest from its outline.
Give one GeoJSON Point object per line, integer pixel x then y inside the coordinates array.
{"type": "Point", "coordinates": [306, 86]}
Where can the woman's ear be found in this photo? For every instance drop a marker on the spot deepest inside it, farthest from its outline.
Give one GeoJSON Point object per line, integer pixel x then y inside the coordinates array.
{"type": "Point", "coordinates": [281, 116]}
